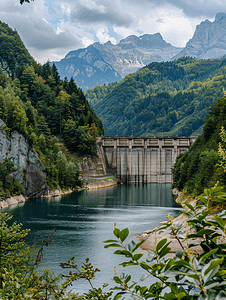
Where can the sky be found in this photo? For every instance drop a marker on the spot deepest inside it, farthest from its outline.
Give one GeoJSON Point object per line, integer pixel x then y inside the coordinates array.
{"type": "Point", "coordinates": [52, 28]}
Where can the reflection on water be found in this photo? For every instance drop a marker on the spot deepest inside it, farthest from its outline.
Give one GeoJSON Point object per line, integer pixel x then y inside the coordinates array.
{"type": "Point", "coordinates": [85, 219]}
{"type": "Point", "coordinates": [126, 195]}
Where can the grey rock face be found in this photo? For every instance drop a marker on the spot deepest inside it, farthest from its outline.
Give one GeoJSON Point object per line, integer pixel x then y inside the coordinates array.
{"type": "Point", "coordinates": [88, 68]}
{"type": "Point", "coordinates": [30, 170]}
{"type": "Point", "coordinates": [101, 64]}
{"type": "Point", "coordinates": [208, 41]}
{"type": "Point", "coordinates": [133, 53]}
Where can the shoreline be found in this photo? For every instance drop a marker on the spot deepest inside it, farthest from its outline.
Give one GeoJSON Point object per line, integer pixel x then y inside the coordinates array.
{"type": "Point", "coordinates": [91, 185]}
{"type": "Point", "coordinates": [151, 237]}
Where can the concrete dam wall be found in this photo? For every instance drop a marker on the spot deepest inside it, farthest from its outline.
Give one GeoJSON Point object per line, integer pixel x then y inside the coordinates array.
{"type": "Point", "coordinates": [142, 159]}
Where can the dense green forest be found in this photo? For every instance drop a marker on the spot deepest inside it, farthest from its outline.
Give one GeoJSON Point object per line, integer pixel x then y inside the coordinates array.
{"type": "Point", "coordinates": [199, 167]}
{"type": "Point", "coordinates": [35, 102]}
{"type": "Point", "coordinates": [166, 98]}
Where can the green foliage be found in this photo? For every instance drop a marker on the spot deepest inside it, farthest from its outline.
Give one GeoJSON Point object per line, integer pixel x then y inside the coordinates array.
{"type": "Point", "coordinates": [13, 54]}
{"type": "Point", "coordinates": [200, 167]}
{"type": "Point", "coordinates": [19, 278]}
{"type": "Point", "coordinates": [13, 251]}
{"type": "Point", "coordinates": [185, 276]}
{"type": "Point", "coordinates": [168, 98]}
{"type": "Point", "coordinates": [35, 102]}
{"type": "Point", "coordinates": [71, 174]}
{"type": "Point", "coordinates": [79, 138]}
{"type": "Point", "coordinates": [8, 185]}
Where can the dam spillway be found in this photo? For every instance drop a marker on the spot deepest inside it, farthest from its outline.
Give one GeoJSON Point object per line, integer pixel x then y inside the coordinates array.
{"type": "Point", "coordinates": [142, 159]}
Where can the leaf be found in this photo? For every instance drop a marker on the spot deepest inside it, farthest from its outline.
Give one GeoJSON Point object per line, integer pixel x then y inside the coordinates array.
{"type": "Point", "coordinates": [143, 277]}
{"type": "Point", "coordinates": [131, 246]}
{"type": "Point", "coordinates": [160, 245]}
{"type": "Point", "coordinates": [208, 254]}
{"type": "Point", "coordinates": [165, 250]}
{"type": "Point", "coordinates": [214, 263]}
{"type": "Point", "coordinates": [182, 263]}
{"type": "Point", "coordinates": [123, 252]}
{"type": "Point", "coordinates": [112, 245]}
{"type": "Point", "coordinates": [117, 280]}
{"type": "Point", "coordinates": [144, 265]}
{"type": "Point", "coordinates": [117, 297]}
{"type": "Point", "coordinates": [179, 254]}
{"type": "Point", "coordinates": [221, 296]}
{"type": "Point", "coordinates": [210, 269]}
{"type": "Point", "coordinates": [123, 234]}
{"type": "Point", "coordinates": [116, 232]}
{"type": "Point", "coordinates": [128, 279]}
{"type": "Point", "coordinates": [150, 257]}
{"type": "Point", "coordinates": [174, 287]}
{"type": "Point", "coordinates": [138, 256]}
{"type": "Point", "coordinates": [203, 199]}
{"type": "Point", "coordinates": [138, 245]}
{"type": "Point", "coordinates": [129, 263]}
{"type": "Point", "coordinates": [143, 289]}
{"type": "Point", "coordinates": [189, 206]}
{"type": "Point", "coordinates": [110, 241]}
{"type": "Point", "coordinates": [220, 221]}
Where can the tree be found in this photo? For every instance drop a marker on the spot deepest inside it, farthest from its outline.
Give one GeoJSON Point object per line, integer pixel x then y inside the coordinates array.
{"type": "Point", "coordinates": [71, 175]}
{"type": "Point", "coordinates": [61, 163]}
{"type": "Point", "coordinates": [42, 143]}
{"type": "Point", "coordinates": [14, 253]}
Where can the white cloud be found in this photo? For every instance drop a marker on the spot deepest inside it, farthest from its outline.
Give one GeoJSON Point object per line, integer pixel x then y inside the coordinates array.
{"type": "Point", "coordinates": [103, 35]}
{"type": "Point", "coordinates": [51, 28]}
{"type": "Point", "coordinates": [175, 27]}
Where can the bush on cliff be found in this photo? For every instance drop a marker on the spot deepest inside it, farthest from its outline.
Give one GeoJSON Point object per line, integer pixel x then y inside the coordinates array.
{"type": "Point", "coordinates": [184, 276]}
{"type": "Point", "coordinates": [8, 185]}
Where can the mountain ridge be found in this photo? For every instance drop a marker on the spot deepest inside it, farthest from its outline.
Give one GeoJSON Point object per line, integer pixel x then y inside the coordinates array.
{"type": "Point", "coordinates": [100, 64]}
{"type": "Point", "coordinates": [208, 41]}
{"type": "Point", "coordinates": [135, 52]}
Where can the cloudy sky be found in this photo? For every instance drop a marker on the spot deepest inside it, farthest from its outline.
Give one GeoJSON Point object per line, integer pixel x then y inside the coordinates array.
{"type": "Point", "coordinates": [52, 28]}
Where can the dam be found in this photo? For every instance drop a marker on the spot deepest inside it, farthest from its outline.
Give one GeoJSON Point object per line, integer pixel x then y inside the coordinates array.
{"type": "Point", "coordinates": [138, 159]}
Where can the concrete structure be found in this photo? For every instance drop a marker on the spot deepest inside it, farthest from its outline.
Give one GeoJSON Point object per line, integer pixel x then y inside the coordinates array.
{"type": "Point", "coordinates": [143, 159]}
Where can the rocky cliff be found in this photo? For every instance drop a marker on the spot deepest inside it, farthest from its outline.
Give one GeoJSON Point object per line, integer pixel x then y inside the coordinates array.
{"type": "Point", "coordinates": [30, 170]}
{"type": "Point", "coordinates": [208, 41]}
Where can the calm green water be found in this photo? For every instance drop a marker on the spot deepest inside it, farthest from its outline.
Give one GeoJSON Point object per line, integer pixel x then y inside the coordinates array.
{"type": "Point", "coordinates": [83, 220]}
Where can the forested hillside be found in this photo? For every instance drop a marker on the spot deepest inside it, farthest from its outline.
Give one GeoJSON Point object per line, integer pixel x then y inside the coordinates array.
{"type": "Point", "coordinates": [162, 98]}
{"type": "Point", "coordinates": [199, 167]}
{"type": "Point", "coordinates": [13, 54]}
{"type": "Point", "coordinates": [35, 102]}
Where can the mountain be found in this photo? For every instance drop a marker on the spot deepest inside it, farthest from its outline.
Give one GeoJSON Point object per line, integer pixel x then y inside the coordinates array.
{"type": "Point", "coordinates": [166, 98]}
{"type": "Point", "coordinates": [87, 67]}
{"type": "Point", "coordinates": [133, 53]}
{"type": "Point", "coordinates": [208, 41]}
{"type": "Point", "coordinates": [101, 64]}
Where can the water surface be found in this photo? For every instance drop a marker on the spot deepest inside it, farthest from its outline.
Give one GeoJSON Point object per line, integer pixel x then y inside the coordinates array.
{"type": "Point", "coordinates": [84, 219]}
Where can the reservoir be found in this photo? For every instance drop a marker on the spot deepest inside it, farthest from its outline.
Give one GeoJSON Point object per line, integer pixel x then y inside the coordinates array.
{"type": "Point", "coordinates": [84, 219]}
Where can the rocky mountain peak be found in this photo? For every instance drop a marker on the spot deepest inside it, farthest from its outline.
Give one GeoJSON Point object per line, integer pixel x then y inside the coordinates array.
{"type": "Point", "coordinates": [220, 16]}
{"type": "Point", "coordinates": [100, 64]}
{"type": "Point", "coordinates": [208, 41]}
{"type": "Point", "coordinates": [147, 41]}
